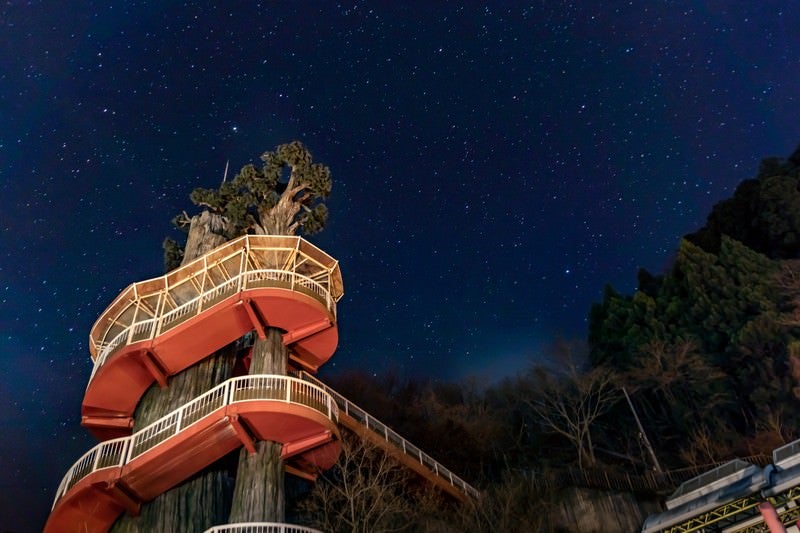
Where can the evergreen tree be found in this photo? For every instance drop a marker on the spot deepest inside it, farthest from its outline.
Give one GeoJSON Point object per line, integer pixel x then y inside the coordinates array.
{"type": "Point", "coordinates": [763, 214]}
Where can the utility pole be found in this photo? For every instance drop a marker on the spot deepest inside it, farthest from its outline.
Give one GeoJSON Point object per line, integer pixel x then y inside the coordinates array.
{"type": "Point", "coordinates": [642, 433]}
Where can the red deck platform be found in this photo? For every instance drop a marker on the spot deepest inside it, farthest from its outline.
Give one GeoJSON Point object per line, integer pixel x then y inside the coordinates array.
{"type": "Point", "coordinates": [311, 334]}
{"type": "Point", "coordinates": [94, 495]}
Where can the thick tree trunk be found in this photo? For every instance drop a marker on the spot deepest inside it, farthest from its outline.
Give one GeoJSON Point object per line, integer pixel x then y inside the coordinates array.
{"type": "Point", "coordinates": [204, 500]}
{"type": "Point", "coordinates": [259, 492]}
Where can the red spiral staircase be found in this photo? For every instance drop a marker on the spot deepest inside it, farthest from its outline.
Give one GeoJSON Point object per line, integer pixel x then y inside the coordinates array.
{"type": "Point", "coordinates": [157, 328]}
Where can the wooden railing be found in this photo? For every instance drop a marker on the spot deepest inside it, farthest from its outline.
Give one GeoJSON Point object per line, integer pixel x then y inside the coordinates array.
{"type": "Point", "coordinates": [393, 438]}
{"type": "Point", "coordinates": [118, 452]}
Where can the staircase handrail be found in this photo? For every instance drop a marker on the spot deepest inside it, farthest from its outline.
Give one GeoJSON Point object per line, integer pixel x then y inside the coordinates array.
{"type": "Point", "coordinates": [152, 327]}
{"type": "Point", "coordinates": [229, 261]}
{"type": "Point", "coordinates": [258, 387]}
{"type": "Point", "coordinates": [391, 436]}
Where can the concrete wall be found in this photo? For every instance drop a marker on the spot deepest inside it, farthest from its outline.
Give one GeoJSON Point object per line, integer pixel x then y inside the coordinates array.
{"type": "Point", "coordinates": [598, 511]}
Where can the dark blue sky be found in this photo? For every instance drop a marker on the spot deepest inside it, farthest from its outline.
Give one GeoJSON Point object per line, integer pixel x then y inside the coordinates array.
{"type": "Point", "coordinates": [494, 166]}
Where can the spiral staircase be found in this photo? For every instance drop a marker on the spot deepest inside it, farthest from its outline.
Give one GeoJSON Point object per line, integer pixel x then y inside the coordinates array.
{"type": "Point", "coordinates": [159, 327]}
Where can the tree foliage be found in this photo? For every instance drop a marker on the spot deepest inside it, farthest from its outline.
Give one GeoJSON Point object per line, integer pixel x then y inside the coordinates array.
{"type": "Point", "coordinates": [263, 200]}
{"type": "Point", "coordinates": [713, 338]}
{"type": "Point", "coordinates": [568, 400]}
{"type": "Point", "coordinates": [763, 214]}
{"type": "Point", "coordinates": [364, 493]}
{"type": "Point", "coordinates": [283, 196]}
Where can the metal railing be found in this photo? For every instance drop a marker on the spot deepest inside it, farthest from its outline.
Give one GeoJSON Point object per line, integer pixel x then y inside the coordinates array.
{"type": "Point", "coordinates": [148, 308]}
{"type": "Point", "coordinates": [118, 452]}
{"type": "Point", "coordinates": [261, 527]}
{"type": "Point", "coordinates": [153, 327]}
{"type": "Point", "coordinates": [787, 456]}
{"type": "Point", "coordinates": [390, 436]}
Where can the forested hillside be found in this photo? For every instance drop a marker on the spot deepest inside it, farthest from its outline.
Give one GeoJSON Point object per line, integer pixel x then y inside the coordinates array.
{"type": "Point", "coordinates": [708, 352]}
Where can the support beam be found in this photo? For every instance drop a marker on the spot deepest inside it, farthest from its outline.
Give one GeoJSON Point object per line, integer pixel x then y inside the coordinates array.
{"type": "Point", "coordinates": [122, 496]}
{"type": "Point", "coordinates": [150, 362]}
{"type": "Point", "coordinates": [299, 446]}
{"type": "Point", "coordinates": [107, 422]}
{"type": "Point", "coordinates": [302, 332]}
{"type": "Point", "coordinates": [308, 476]}
{"type": "Point", "coordinates": [242, 433]}
{"type": "Point", "coordinates": [255, 320]}
{"type": "Point", "coordinates": [297, 360]}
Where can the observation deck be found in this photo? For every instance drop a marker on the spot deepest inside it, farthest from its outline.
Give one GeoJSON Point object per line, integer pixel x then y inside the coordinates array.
{"type": "Point", "coordinates": [159, 327]}
{"type": "Point", "coordinates": [120, 474]}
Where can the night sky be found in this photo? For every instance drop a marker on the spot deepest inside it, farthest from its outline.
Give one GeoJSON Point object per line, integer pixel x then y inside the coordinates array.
{"type": "Point", "coordinates": [494, 166]}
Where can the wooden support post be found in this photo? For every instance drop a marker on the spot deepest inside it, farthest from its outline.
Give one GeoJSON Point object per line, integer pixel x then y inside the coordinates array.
{"type": "Point", "coordinates": [242, 433]}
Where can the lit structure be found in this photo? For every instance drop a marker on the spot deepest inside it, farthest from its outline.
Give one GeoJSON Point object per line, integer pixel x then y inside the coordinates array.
{"type": "Point", "coordinates": [157, 328]}
{"type": "Point", "coordinates": [737, 497]}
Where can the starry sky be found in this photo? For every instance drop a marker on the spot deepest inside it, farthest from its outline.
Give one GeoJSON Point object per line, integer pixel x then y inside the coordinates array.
{"type": "Point", "coordinates": [495, 164]}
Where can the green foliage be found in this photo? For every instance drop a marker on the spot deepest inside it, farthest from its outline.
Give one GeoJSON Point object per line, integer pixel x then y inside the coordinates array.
{"type": "Point", "coordinates": [265, 200]}
{"type": "Point", "coordinates": [173, 254]}
{"type": "Point", "coordinates": [763, 214]}
{"type": "Point", "coordinates": [730, 295]}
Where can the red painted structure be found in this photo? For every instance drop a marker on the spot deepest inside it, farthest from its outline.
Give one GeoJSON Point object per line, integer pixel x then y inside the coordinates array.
{"type": "Point", "coordinates": [158, 328]}
{"type": "Point", "coordinates": [771, 518]}
{"type": "Point", "coordinates": [107, 409]}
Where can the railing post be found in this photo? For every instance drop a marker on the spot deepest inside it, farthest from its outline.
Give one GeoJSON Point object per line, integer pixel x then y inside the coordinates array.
{"type": "Point", "coordinates": [203, 284]}
{"type": "Point", "coordinates": [240, 286]}
{"type": "Point", "coordinates": [96, 458]}
{"type": "Point", "coordinates": [129, 451]}
{"type": "Point", "coordinates": [125, 447]}
{"type": "Point", "coordinates": [229, 392]}
{"type": "Point", "coordinates": [160, 305]}
{"type": "Point", "coordinates": [179, 420]}
{"type": "Point", "coordinates": [288, 391]}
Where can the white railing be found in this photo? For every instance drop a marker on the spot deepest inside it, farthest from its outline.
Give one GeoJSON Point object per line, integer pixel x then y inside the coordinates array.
{"type": "Point", "coordinates": [299, 263]}
{"type": "Point", "coordinates": [261, 527]}
{"type": "Point", "coordinates": [787, 456]}
{"type": "Point", "coordinates": [153, 327]}
{"type": "Point", "coordinates": [118, 452]}
{"type": "Point", "coordinates": [391, 436]}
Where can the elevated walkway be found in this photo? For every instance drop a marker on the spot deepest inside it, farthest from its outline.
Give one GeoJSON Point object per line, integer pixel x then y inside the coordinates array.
{"type": "Point", "coordinates": [120, 474]}
{"type": "Point", "coordinates": [368, 427]}
{"type": "Point", "coordinates": [159, 327]}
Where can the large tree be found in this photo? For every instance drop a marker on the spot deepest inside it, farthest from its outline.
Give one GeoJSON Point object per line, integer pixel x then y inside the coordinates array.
{"type": "Point", "coordinates": [284, 196]}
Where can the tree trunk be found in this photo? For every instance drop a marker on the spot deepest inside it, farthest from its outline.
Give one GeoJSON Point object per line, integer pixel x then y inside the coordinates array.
{"type": "Point", "coordinates": [204, 500]}
{"type": "Point", "coordinates": [259, 492]}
